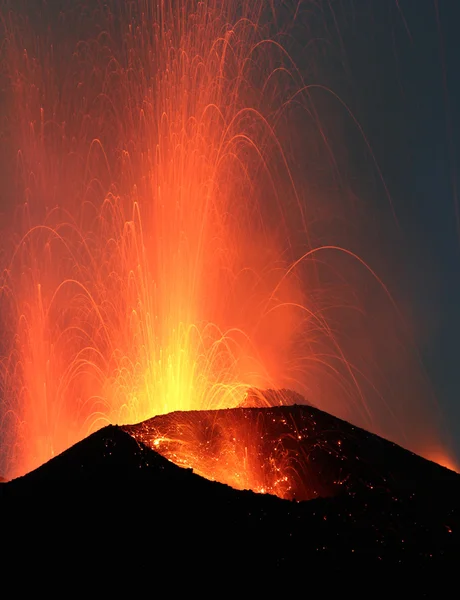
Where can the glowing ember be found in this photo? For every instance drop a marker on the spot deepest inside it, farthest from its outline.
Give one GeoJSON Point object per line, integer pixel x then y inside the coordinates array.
{"type": "Point", "coordinates": [294, 452]}
{"type": "Point", "coordinates": [265, 450]}
{"type": "Point", "coordinates": [160, 253]}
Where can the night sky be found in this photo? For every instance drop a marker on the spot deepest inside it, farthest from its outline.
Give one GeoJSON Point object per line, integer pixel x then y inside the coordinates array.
{"type": "Point", "coordinates": [403, 61]}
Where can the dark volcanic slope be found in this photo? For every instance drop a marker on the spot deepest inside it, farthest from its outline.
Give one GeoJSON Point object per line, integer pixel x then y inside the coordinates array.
{"type": "Point", "coordinates": [128, 505]}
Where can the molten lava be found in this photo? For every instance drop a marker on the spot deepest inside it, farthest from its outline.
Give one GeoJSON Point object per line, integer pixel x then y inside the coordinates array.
{"type": "Point", "coordinates": [166, 240]}
{"type": "Point", "coordinates": [261, 450]}
{"type": "Point", "coordinates": [295, 452]}
{"type": "Point", "coordinates": [257, 449]}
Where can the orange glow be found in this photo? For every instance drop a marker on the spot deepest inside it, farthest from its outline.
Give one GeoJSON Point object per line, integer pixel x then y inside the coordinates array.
{"type": "Point", "coordinates": [440, 456]}
{"type": "Point", "coordinates": [164, 249]}
{"type": "Point", "coordinates": [227, 450]}
{"type": "Point", "coordinates": [267, 451]}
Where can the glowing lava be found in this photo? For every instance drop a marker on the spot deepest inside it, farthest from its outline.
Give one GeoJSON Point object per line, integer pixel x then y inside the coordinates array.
{"type": "Point", "coordinates": [265, 450]}
{"type": "Point", "coordinates": [160, 250]}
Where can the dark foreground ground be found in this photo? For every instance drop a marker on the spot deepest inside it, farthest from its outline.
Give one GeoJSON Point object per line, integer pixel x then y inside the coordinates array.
{"type": "Point", "coordinates": [110, 504]}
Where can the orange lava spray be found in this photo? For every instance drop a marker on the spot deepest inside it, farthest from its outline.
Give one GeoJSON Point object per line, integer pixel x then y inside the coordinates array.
{"type": "Point", "coordinates": [163, 256]}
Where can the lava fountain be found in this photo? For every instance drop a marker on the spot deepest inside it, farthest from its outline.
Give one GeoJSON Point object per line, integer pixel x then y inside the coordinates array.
{"type": "Point", "coordinates": [160, 243]}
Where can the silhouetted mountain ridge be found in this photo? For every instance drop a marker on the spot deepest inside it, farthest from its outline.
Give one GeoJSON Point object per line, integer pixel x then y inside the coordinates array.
{"type": "Point", "coordinates": [393, 512]}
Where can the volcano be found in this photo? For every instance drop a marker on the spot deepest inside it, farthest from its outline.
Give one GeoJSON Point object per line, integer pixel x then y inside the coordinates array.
{"type": "Point", "coordinates": [352, 499]}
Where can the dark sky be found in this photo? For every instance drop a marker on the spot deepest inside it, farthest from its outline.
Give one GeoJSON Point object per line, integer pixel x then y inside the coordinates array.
{"type": "Point", "coordinates": [403, 63]}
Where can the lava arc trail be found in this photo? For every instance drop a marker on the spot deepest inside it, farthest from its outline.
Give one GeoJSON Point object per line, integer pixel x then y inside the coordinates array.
{"type": "Point", "coordinates": [166, 245]}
